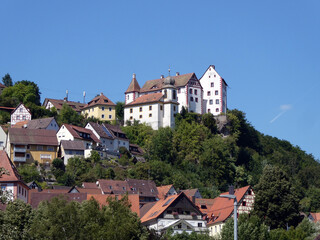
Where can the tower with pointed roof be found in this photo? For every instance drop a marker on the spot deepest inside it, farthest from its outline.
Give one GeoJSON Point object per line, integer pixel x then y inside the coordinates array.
{"type": "Point", "coordinates": [170, 103]}
{"type": "Point", "coordinates": [133, 90]}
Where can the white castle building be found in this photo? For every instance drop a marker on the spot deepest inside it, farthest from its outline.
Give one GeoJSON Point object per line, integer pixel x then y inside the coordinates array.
{"type": "Point", "coordinates": [157, 102]}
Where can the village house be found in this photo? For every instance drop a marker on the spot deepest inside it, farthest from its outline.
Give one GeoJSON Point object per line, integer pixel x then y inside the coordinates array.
{"type": "Point", "coordinates": [214, 92]}
{"type": "Point", "coordinates": [20, 113]}
{"type": "Point", "coordinates": [42, 123]}
{"type": "Point", "coordinates": [101, 108]}
{"type": "Point", "coordinates": [74, 133]}
{"type": "Point", "coordinates": [69, 149]}
{"type": "Point", "coordinates": [29, 145]}
{"type": "Point", "coordinates": [12, 182]}
{"type": "Point", "coordinates": [176, 212]}
{"type": "Point", "coordinates": [166, 191]}
{"type": "Point", "coordinates": [222, 208]}
{"type": "Point", "coordinates": [111, 136]}
{"type": "Point", "coordinates": [156, 108]}
{"type": "Point", "coordinates": [58, 103]}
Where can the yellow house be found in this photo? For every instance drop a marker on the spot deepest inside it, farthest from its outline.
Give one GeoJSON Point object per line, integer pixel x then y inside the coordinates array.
{"type": "Point", "coordinates": [100, 107]}
{"type": "Point", "coordinates": [29, 145]}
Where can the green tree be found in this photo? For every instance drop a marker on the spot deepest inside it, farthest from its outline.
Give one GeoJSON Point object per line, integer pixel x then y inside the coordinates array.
{"type": "Point", "coordinates": [69, 116]}
{"type": "Point", "coordinates": [7, 80]}
{"type": "Point", "coordinates": [120, 110]}
{"type": "Point", "coordinates": [138, 133]}
{"type": "Point", "coordinates": [29, 173]}
{"type": "Point", "coordinates": [275, 199]}
{"type": "Point", "coordinates": [17, 219]}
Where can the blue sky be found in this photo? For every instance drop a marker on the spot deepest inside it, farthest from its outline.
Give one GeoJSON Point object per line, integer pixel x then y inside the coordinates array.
{"type": "Point", "coordinates": [267, 51]}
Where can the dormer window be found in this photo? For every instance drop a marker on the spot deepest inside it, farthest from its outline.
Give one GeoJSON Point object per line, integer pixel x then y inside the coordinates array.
{"type": "Point", "coordinates": [105, 100]}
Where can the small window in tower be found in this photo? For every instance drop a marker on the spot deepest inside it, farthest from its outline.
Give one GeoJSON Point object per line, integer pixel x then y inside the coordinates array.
{"type": "Point", "coordinates": [208, 93]}
{"type": "Point", "coordinates": [150, 114]}
{"type": "Point", "coordinates": [209, 110]}
{"type": "Point", "coordinates": [216, 92]}
{"type": "Point", "coordinates": [217, 101]}
{"type": "Point", "coordinates": [140, 116]}
{"type": "Point", "coordinates": [150, 108]}
{"type": "Point", "coordinates": [195, 91]}
{"type": "Point", "coordinates": [191, 99]}
{"type": "Point", "coordinates": [174, 94]}
{"type": "Point", "coordinates": [128, 97]}
{"type": "Point", "coordinates": [217, 109]}
{"type": "Point", "coordinates": [211, 102]}
{"type": "Point", "coordinates": [140, 109]}
{"type": "Point", "coordinates": [174, 108]}
{"type": "Point", "coordinates": [190, 91]}
{"type": "Point", "coordinates": [161, 107]}
{"type": "Point", "coordinates": [212, 84]}
{"type": "Point", "coordinates": [131, 118]}
{"type": "Point", "coordinates": [196, 99]}
{"type": "Point", "coordinates": [131, 110]}
{"type": "Point", "coordinates": [179, 90]}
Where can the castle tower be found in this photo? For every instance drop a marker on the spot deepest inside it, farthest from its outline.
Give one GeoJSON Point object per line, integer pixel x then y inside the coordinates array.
{"type": "Point", "coordinates": [170, 103]}
{"type": "Point", "coordinates": [133, 90]}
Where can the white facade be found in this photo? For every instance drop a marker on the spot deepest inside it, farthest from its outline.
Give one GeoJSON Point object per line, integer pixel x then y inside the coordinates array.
{"type": "Point", "coordinates": [64, 134]}
{"type": "Point", "coordinates": [214, 92]}
{"type": "Point", "coordinates": [21, 113]}
{"type": "Point", "coordinates": [3, 139]}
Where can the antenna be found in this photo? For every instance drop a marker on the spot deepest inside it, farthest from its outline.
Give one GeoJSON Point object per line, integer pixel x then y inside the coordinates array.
{"type": "Point", "coordinates": [67, 94]}
{"type": "Point", "coordinates": [84, 96]}
{"type": "Point", "coordinates": [169, 70]}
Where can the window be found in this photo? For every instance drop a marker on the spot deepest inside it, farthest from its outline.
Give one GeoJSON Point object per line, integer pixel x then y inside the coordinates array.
{"type": "Point", "coordinates": [217, 109]}
{"type": "Point", "coordinates": [18, 117]}
{"type": "Point", "coordinates": [196, 99]}
{"type": "Point", "coordinates": [174, 94]}
{"type": "Point", "coordinates": [199, 224]}
{"type": "Point", "coordinates": [131, 110]}
{"type": "Point", "coordinates": [50, 148]}
{"type": "Point", "coordinates": [216, 92]}
{"type": "Point", "coordinates": [217, 101]}
{"type": "Point", "coordinates": [140, 116]}
{"type": "Point", "coordinates": [195, 91]}
{"type": "Point", "coordinates": [209, 110]}
{"type": "Point", "coordinates": [211, 102]}
{"type": "Point", "coordinates": [131, 118]}
{"type": "Point", "coordinates": [208, 93]}
{"type": "Point", "coordinates": [110, 116]}
{"type": "Point", "coordinates": [174, 108]}
{"type": "Point", "coordinates": [214, 75]}
{"type": "Point", "coordinates": [102, 108]}
{"type": "Point", "coordinates": [190, 91]}
{"type": "Point", "coordinates": [212, 84]}
{"type": "Point", "coordinates": [150, 115]}
{"type": "Point", "coordinates": [150, 108]}
{"type": "Point", "coordinates": [23, 117]}
{"type": "Point", "coordinates": [40, 148]}
{"type": "Point", "coordinates": [110, 109]}
{"type": "Point", "coordinates": [128, 97]}
{"type": "Point", "coordinates": [161, 108]}
{"type": "Point", "coordinates": [179, 90]}
{"type": "Point", "coordinates": [102, 116]}
{"type": "Point", "coordinates": [244, 203]}
{"type": "Point", "coordinates": [191, 99]}
{"type": "Point", "coordinates": [28, 156]}
{"type": "Point", "coordinates": [140, 109]}
{"type": "Point", "coordinates": [21, 110]}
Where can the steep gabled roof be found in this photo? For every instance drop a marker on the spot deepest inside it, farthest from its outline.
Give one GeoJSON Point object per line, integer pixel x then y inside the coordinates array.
{"type": "Point", "coordinates": [13, 175]}
{"type": "Point", "coordinates": [58, 103]}
{"type": "Point", "coordinates": [216, 72]}
{"type": "Point", "coordinates": [115, 131]}
{"type": "Point", "coordinates": [147, 98]}
{"type": "Point", "coordinates": [163, 191]}
{"type": "Point", "coordinates": [75, 132]}
{"type": "Point", "coordinates": [134, 86]}
{"type": "Point", "coordinates": [180, 81]}
{"type": "Point", "coordinates": [99, 100]}
{"type": "Point", "coordinates": [146, 188]}
{"type": "Point", "coordinates": [315, 216]}
{"type": "Point", "coordinates": [222, 208]}
{"type": "Point", "coordinates": [19, 106]}
{"type": "Point", "coordinates": [160, 206]}
{"type": "Point", "coordinates": [41, 123]}
{"type": "Point", "coordinates": [114, 186]}
{"type": "Point", "coordinates": [33, 136]}
{"type": "Point", "coordinates": [72, 145]}
{"type": "Point", "coordinates": [99, 130]}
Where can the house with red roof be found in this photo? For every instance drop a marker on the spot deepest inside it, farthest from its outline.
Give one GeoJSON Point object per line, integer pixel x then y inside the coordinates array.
{"type": "Point", "coordinates": [165, 191]}
{"type": "Point", "coordinates": [100, 107]}
{"type": "Point", "coordinates": [29, 145]}
{"type": "Point", "coordinates": [222, 208]}
{"type": "Point", "coordinates": [156, 106]}
{"type": "Point", "coordinates": [11, 182]}
{"type": "Point", "coordinates": [314, 217]}
{"type": "Point", "coordinates": [58, 103]}
{"type": "Point", "coordinates": [176, 212]}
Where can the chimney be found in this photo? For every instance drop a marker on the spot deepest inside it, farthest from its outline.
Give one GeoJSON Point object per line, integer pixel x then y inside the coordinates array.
{"type": "Point", "coordinates": [161, 76]}
{"type": "Point", "coordinates": [177, 73]}
{"type": "Point", "coordinates": [231, 190]}
{"type": "Point", "coordinates": [134, 76]}
{"type": "Point", "coordinates": [66, 98]}
{"type": "Point", "coordinates": [101, 94]}
{"type": "Point", "coordinates": [213, 66]}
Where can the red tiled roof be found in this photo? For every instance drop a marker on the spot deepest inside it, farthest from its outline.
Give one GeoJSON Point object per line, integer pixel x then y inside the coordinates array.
{"type": "Point", "coordinates": [58, 103]}
{"type": "Point", "coordinates": [74, 130]}
{"type": "Point", "coordinates": [222, 208]}
{"type": "Point", "coordinates": [89, 185]}
{"type": "Point", "coordinates": [114, 186]}
{"type": "Point", "coordinates": [36, 197]}
{"type": "Point", "coordinates": [20, 124]}
{"type": "Point", "coordinates": [33, 136]}
{"type": "Point", "coordinates": [132, 198]}
{"type": "Point", "coordinates": [190, 192]}
{"type": "Point", "coordinates": [72, 145]}
{"type": "Point", "coordinates": [147, 98]}
{"type": "Point", "coordinates": [163, 190]}
{"type": "Point", "coordinates": [205, 205]}
{"type": "Point", "coordinates": [99, 100]}
{"type": "Point", "coordinates": [180, 81]}
{"type": "Point", "coordinates": [41, 123]}
{"type": "Point", "coordinates": [13, 175]}
{"type": "Point", "coordinates": [134, 86]}
{"type": "Point", "coordinates": [315, 216]}
{"type": "Point", "coordinates": [90, 190]}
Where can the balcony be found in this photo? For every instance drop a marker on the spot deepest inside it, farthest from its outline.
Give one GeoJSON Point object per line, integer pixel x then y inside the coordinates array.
{"type": "Point", "coordinates": [19, 149]}
{"type": "Point", "coordinates": [19, 159]}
